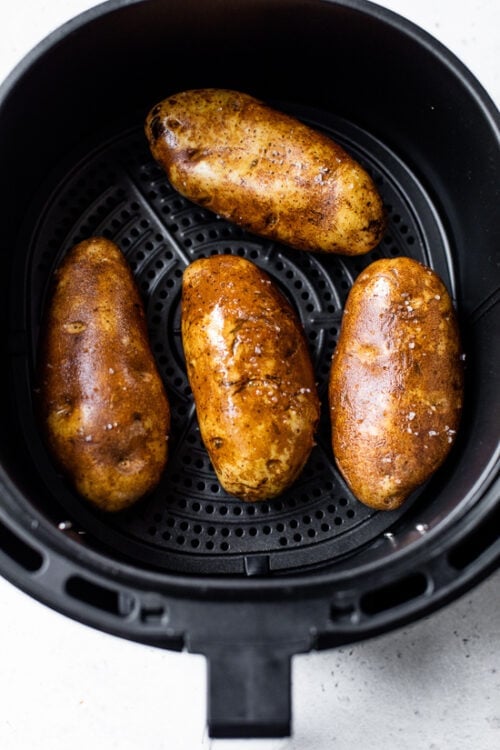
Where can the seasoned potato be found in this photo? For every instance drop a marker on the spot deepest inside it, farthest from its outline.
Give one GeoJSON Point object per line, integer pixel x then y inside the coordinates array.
{"type": "Point", "coordinates": [251, 376]}
{"type": "Point", "coordinates": [102, 403]}
{"type": "Point", "coordinates": [265, 171]}
{"type": "Point", "coordinates": [396, 382]}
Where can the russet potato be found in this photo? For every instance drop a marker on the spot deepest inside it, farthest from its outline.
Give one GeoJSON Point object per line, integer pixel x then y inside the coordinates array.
{"type": "Point", "coordinates": [102, 404]}
{"type": "Point", "coordinates": [265, 171]}
{"type": "Point", "coordinates": [396, 381]}
{"type": "Point", "coordinates": [251, 375]}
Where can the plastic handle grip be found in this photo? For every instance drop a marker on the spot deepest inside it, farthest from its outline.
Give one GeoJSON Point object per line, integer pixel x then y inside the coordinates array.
{"type": "Point", "coordinates": [249, 693]}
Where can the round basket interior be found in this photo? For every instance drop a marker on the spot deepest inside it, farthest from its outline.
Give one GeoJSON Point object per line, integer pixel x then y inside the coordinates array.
{"type": "Point", "coordinates": [77, 164]}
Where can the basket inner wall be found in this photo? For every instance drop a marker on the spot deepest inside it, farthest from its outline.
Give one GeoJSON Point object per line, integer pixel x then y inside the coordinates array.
{"type": "Point", "coordinates": [102, 179]}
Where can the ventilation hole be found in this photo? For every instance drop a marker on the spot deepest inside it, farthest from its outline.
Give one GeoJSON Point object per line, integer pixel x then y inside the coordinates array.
{"type": "Point", "coordinates": [341, 611]}
{"type": "Point", "coordinates": [224, 546]}
{"type": "Point", "coordinates": [98, 596]}
{"type": "Point", "coordinates": [19, 551]}
{"type": "Point", "coordinates": [476, 543]}
{"type": "Point", "coordinates": [180, 540]}
{"type": "Point", "coordinates": [337, 521]}
{"type": "Point", "coordinates": [283, 541]}
{"type": "Point", "coordinates": [153, 614]}
{"type": "Point", "coordinates": [397, 593]}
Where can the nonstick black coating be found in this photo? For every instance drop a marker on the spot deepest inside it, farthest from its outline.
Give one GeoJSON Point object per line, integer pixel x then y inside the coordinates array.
{"type": "Point", "coordinates": [246, 585]}
{"type": "Point", "coordinates": [190, 524]}
{"type": "Point", "coordinates": [76, 163]}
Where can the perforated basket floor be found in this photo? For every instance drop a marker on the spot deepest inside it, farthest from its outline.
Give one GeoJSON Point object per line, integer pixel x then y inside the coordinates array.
{"type": "Point", "coordinates": [190, 524]}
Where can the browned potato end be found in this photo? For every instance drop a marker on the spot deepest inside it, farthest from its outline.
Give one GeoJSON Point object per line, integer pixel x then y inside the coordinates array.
{"type": "Point", "coordinates": [101, 400]}
{"type": "Point", "coordinates": [251, 376]}
{"type": "Point", "coordinates": [266, 171]}
{"type": "Point", "coordinates": [396, 382]}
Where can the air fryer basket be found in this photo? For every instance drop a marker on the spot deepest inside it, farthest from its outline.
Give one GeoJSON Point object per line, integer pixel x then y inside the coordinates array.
{"type": "Point", "coordinates": [248, 585]}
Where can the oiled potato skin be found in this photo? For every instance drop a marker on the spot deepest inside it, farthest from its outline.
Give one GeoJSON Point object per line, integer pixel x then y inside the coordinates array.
{"type": "Point", "coordinates": [251, 376]}
{"type": "Point", "coordinates": [396, 382]}
{"type": "Point", "coordinates": [103, 407]}
{"type": "Point", "coordinates": [266, 171]}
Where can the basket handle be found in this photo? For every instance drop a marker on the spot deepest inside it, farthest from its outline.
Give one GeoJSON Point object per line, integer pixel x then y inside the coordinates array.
{"type": "Point", "coordinates": [249, 691]}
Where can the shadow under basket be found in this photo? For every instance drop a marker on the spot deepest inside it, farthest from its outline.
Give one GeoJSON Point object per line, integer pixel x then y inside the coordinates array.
{"type": "Point", "coordinates": [190, 567]}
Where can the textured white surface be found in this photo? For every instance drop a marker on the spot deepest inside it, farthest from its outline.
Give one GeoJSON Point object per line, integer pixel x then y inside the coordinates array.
{"type": "Point", "coordinates": [432, 686]}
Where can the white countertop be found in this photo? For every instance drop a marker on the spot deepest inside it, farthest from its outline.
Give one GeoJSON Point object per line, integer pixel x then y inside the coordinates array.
{"type": "Point", "coordinates": [434, 685]}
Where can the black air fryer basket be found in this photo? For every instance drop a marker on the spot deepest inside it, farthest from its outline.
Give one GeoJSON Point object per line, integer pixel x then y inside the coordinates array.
{"type": "Point", "coordinates": [248, 585]}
